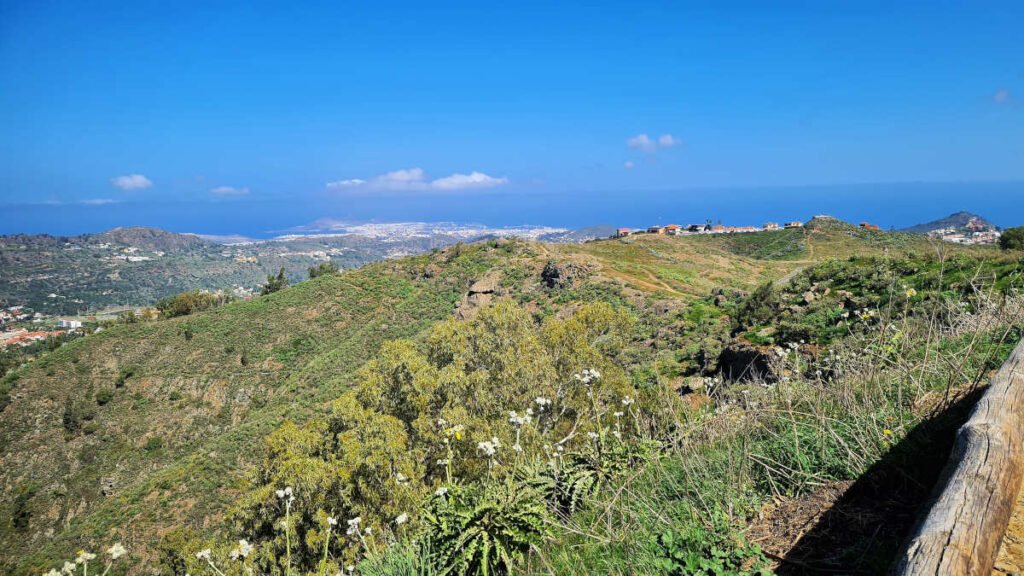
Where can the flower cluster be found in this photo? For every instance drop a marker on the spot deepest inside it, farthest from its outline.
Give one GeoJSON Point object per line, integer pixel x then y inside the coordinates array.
{"type": "Point", "coordinates": [83, 557]}
{"type": "Point", "coordinates": [587, 376]}
{"type": "Point", "coordinates": [241, 551]}
{"type": "Point", "coordinates": [520, 419]}
{"type": "Point", "coordinates": [489, 447]}
{"type": "Point", "coordinates": [287, 494]}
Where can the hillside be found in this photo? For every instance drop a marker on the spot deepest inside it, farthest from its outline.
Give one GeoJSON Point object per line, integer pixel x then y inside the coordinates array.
{"type": "Point", "coordinates": [957, 222]}
{"type": "Point", "coordinates": [151, 426]}
{"type": "Point", "coordinates": [137, 266]}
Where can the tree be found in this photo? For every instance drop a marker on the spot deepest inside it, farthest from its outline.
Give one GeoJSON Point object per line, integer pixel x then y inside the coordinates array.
{"type": "Point", "coordinates": [322, 269]}
{"type": "Point", "coordinates": [274, 283]}
{"type": "Point", "coordinates": [1012, 239]}
{"type": "Point", "coordinates": [187, 303]}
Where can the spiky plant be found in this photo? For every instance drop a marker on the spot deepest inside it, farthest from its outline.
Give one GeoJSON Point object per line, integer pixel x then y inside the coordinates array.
{"type": "Point", "coordinates": [484, 530]}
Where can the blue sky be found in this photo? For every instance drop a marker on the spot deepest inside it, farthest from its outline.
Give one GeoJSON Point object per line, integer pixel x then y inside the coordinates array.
{"type": "Point", "coordinates": [130, 112]}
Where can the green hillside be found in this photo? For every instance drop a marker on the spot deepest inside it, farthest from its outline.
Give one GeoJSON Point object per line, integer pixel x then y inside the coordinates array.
{"type": "Point", "coordinates": [144, 428]}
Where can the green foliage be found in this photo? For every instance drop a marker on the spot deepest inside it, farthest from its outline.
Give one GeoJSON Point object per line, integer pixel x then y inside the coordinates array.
{"type": "Point", "coordinates": [696, 550]}
{"type": "Point", "coordinates": [322, 269]}
{"type": "Point", "coordinates": [1012, 239]}
{"type": "Point", "coordinates": [274, 283]}
{"type": "Point", "coordinates": [76, 413]}
{"type": "Point", "coordinates": [402, 559]}
{"type": "Point", "coordinates": [190, 302]}
{"type": "Point", "coordinates": [484, 530]}
{"type": "Point", "coordinates": [104, 396]}
{"type": "Point", "coordinates": [21, 513]}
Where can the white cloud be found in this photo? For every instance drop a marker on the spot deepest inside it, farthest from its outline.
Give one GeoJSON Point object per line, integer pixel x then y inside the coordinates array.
{"type": "Point", "coordinates": [350, 183]}
{"type": "Point", "coordinates": [641, 142]}
{"type": "Point", "coordinates": [131, 182]}
{"type": "Point", "coordinates": [629, 164]}
{"type": "Point", "coordinates": [1002, 96]}
{"type": "Point", "coordinates": [645, 143]}
{"type": "Point", "coordinates": [667, 141]}
{"type": "Point", "coordinates": [229, 191]}
{"type": "Point", "coordinates": [467, 181]}
{"type": "Point", "coordinates": [415, 179]}
{"type": "Point", "coordinates": [98, 201]}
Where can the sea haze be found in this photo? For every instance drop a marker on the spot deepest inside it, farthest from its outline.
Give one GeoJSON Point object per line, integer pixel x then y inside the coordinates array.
{"type": "Point", "coordinates": [887, 205]}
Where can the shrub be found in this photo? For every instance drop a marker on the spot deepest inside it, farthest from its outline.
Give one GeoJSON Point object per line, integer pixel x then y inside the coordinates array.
{"type": "Point", "coordinates": [716, 551]}
{"type": "Point", "coordinates": [1012, 239]}
{"type": "Point", "coordinates": [104, 396]}
{"type": "Point", "coordinates": [322, 269]}
{"type": "Point", "coordinates": [190, 302]}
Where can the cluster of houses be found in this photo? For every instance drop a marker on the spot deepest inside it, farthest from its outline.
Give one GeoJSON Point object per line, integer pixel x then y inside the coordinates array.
{"type": "Point", "coordinates": [706, 228]}
{"type": "Point", "coordinates": [14, 314]}
{"type": "Point", "coordinates": [23, 337]}
{"type": "Point", "coordinates": [14, 333]}
{"type": "Point", "coordinates": [975, 231]}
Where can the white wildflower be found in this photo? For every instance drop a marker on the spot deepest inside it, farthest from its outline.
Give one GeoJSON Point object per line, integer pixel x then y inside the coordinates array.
{"type": "Point", "coordinates": [69, 568]}
{"type": "Point", "coordinates": [353, 526]}
{"type": "Point", "coordinates": [542, 402]}
{"type": "Point", "coordinates": [204, 554]}
{"type": "Point", "coordinates": [84, 557]}
{"type": "Point", "coordinates": [369, 530]}
{"type": "Point", "coordinates": [332, 521]}
{"type": "Point", "coordinates": [440, 491]}
{"type": "Point", "coordinates": [617, 414]}
{"type": "Point", "coordinates": [401, 478]}
{"type": "Point", "coordinates": [402, 519]}
{"type": "Point", "coordinates": [627, 401]}
{"type": "Point", "coordinates": [593, 435]}
{"type": "Point", "coordinates": [517, 447]}
{"type": "Point", "coordinates": [242, 550]}
{"type": "Point", "coordinates": [116, 551]}
{"type": "Point", "coordinates": [52, 572]}
{"type": "Point", "coordinates": [487, 448]}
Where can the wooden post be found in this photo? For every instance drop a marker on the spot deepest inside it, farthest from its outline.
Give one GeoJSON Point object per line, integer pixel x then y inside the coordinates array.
{"type": "Point", "coordinates": [965, 525]}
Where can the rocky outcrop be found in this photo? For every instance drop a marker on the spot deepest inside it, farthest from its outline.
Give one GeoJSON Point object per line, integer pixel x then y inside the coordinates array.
{"type": "Point", "coordinates": [741, 360]}
{"type": "Point", "coordinates": [480, 294]}
{"type": "Point", "coordinates": [563, 274]}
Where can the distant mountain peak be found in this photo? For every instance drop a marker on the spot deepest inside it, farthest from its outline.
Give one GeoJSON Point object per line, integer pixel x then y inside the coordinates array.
{"type": "Point", "coordinates": [958, 221]}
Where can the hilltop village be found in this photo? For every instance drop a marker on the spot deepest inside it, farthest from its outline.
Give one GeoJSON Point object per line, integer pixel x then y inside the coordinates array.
{"type": "Point", "coordinates": [976, 232]}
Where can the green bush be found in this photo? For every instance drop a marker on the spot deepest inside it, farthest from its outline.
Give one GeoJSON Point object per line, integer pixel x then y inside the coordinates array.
{"type": "Point", "coordinates": [104, 396]}
{"type": "Point", "coordinates": [322, 269]}
{"type": "Point", "coordinates": [190, 302]}
{"type": "Point", "coordinates": [697, 550]}
{"type": "Point", "coordinates": [1012, 239]}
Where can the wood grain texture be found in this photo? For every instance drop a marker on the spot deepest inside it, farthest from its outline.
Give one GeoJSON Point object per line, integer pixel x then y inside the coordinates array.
{"type": "Point", "coordinates": [962, 532]}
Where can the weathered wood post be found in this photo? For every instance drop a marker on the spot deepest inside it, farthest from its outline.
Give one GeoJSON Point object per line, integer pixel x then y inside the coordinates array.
{"type": "Point", "coordinates": [962, 531]}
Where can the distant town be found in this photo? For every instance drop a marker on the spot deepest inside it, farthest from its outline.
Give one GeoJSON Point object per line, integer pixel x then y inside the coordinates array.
{"type": "Point", "coordinates": [975, 231]}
